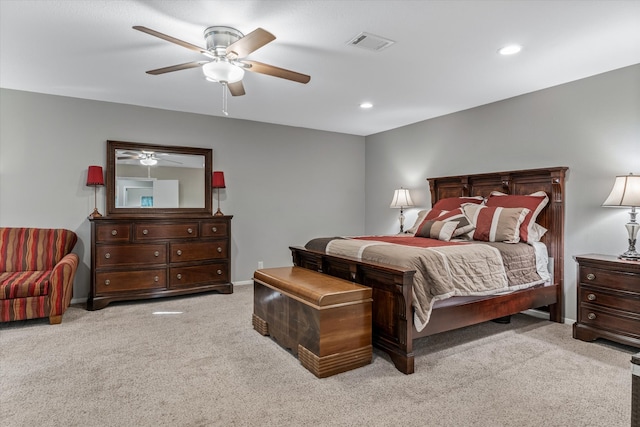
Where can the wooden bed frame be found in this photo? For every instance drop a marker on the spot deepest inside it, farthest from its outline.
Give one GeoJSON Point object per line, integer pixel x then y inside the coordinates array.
{"type": "Point", "coordinates": [393, 329]}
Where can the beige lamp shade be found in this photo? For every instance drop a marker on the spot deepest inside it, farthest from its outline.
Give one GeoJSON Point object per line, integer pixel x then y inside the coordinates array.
{"type": "Point", "coordinates": [401, 199]}
{"type": "Point", "coordinates": [625, 192]}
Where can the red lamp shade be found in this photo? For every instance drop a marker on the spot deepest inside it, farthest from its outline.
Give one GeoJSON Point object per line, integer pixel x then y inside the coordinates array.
{"type": "Point", "coordinates": [217, 180]}
{"type": "Point", "coordinates": [95, 176]}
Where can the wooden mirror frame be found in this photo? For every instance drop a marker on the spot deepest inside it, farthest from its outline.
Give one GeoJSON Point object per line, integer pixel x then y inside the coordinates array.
{"type": "Point", "coordinates": [111, 209]}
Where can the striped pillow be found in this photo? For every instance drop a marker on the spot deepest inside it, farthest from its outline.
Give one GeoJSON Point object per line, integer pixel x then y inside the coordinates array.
{"type": "Point", "coordinates": [495, 224]}
{"type": "Point", "coordinates": [535, 202]}
{"type": "Point", "coordinates": [457, 215]}
{"type": "Point", "coordinates": [441, 230]}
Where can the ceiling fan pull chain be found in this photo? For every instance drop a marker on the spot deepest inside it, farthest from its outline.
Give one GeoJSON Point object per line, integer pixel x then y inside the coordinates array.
{"type": "Point", "coordinates": [224, 98]}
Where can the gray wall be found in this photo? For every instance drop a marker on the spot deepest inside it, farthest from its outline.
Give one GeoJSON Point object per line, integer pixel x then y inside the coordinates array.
{"type": "Point", "coordinates": [284, 184]}
{"type": "Point", "coordinates": [591, 125]}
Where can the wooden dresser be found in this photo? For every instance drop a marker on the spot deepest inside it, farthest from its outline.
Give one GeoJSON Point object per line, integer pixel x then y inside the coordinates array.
{"type": "Point", "coordinates": [151, 257]}
{"type": "Point", "coordinates": [608, 299]}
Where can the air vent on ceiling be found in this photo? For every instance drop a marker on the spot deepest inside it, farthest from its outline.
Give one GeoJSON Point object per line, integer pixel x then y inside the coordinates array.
{"type": "Point", "coordinates": [370, 42]}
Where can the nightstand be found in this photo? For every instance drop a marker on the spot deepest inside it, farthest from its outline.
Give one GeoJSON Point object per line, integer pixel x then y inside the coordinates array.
{"type": "Point", "coordinates": [608, 299]}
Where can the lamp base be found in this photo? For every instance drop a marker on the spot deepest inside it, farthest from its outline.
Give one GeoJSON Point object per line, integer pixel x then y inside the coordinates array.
{"type": "Point", "coordinates": [218, 213]}
{"type": "Point", "coordinates": [630, 256]}
{"type": "Point", "coordinates": [632, 228]}
{"type": "Point", "coordinates": [95, 213]}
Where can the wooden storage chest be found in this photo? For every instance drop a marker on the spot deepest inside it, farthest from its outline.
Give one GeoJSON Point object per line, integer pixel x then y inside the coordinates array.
{"type": "Point", "coordinates": [323, 320]}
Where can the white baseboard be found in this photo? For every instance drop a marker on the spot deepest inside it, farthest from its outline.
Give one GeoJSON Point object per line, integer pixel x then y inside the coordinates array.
{"type": "Point", "coordinates": [544, 315]}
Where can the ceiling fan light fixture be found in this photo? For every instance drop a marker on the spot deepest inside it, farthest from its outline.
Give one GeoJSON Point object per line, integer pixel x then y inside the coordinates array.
{"type": "Point", "coordinates": [148, 161]}
{"type": "Point", "coordinates": [222, 71]}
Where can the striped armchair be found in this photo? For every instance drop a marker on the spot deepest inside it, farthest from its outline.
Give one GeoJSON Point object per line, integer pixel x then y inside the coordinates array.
{"type": "Point", "coordinates": [37, 270]}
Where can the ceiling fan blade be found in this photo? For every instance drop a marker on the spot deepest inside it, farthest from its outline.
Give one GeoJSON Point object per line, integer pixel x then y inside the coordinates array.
{"type": "Point", "coordinates": [259, 67]}
{"type": "Point", "coordinates": [250, 43]}
{"type": "Point", "coordinates": [173, 40]}
{"type": "Point", "coordinates": [179, 67]}
{"type": "Point", "coordinates": [236, 89]}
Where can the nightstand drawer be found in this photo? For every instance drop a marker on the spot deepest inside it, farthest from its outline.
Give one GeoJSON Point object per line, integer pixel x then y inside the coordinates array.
{"type": "Point", "coordinates": [610, 279]}
{"type": "Point", "coordinates": [600, 297]}
{"type": "Point", "coordinates": [611, 320]}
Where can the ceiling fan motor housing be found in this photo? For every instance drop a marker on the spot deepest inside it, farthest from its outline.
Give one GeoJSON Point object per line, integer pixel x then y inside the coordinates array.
{"type": "Point", "coordinates": [219, 38]}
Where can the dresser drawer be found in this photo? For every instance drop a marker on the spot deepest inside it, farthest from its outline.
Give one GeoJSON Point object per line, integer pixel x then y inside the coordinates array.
{"type": "Point", "coordinates": [601, 297]}
{"type": "Point", "coordinates": [115, 281]}
{"type": "Point", "coordinates": [609, 319]}
{"type": "Point", "coordinates": [156, 231]}
{"type": "Point", "coordinates": [198, 274]}
{"type": "Point", "coordinates": [215, 229]}
{"type": "Point", "coordinates": [113, 232]}
{"type": "Point", "coordinates": [610, 279]}
{"type": "Point", "coordinates": [134, 254]}
{"type": "Point", "coordinates": [197, 251]}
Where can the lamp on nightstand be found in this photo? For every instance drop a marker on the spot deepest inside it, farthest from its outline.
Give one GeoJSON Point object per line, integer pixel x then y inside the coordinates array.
{"type": "Point", "coordinates": [401, 199]}
{"type": "Point", "coordinates": [217, 182]}
{"type": "Point", "coordinates": [626, 193]}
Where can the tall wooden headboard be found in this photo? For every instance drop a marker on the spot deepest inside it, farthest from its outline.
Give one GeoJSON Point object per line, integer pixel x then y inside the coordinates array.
{"type": "Point", "coordinates": [520, 182]}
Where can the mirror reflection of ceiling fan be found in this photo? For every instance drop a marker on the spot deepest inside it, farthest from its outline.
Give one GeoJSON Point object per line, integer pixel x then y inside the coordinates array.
{"type": "Point", "coordinates": [226, 50]}
{"type": "Point", "coordinates": [147, 158]}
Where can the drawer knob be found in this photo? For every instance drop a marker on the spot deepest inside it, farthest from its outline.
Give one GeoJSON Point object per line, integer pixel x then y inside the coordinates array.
{"type": "Point", "coordinates": [156, 253]}
{"type": "Point", "coordinates": [179, 252]}
{"type": "Point", "coordinates": [179, 276]}
{"type": "Point", "coordinates": [591, 316]}
{"type": "Point", "coordinates": [219, 249]}
{"type": "Point", "coordinates": [114, 232]}
{"type": "Point", "coordinates": [219, 272]}
{"type": "Point", "coordinates": [189, 230]}
{"type": "Point", "coordinates": [145, 231]}
{"type": "Point", "coordinates": [107, 282]}
{"type": "Point", "coordinates": [214, 229]}
{"type": "Point", "coordinates": [591, 297]}
{"type": "Point", "coordinates": [591, 276]}
{"type": "Point", "coordinates": [156, 278]}
{"type": "Point", "coordinates": [107, 255]}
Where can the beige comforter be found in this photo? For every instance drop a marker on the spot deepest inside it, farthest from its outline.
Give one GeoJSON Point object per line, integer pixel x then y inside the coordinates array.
{"type": "Point", "coordinates": [444, 271]}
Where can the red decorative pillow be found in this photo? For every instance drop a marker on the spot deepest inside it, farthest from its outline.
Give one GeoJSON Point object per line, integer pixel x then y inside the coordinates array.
{"type": "Point", "coordinates": [535, 202]}
{"type": "Point", "coordinates": [495, 224]}
{"type": "Point", "coordinates": [451, 203]}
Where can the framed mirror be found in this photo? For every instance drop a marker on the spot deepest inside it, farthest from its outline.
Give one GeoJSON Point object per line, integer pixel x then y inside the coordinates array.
{"type": "Point", "coordinates": [151, 180]}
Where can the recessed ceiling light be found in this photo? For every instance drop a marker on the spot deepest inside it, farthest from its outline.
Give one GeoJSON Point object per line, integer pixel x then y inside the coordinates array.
{"type": "Point", "coordinates": [510, 49]}
{"type": "Point", "coordinates": [366, 105]}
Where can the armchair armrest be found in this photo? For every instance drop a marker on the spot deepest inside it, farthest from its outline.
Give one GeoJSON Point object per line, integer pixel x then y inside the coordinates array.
{"type": "Point", "coordinates": [61, 286]}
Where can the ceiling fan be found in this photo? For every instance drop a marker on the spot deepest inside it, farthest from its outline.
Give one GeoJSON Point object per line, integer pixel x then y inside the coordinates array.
{"type": "Point", "coordinates": [147, 158]}
{"type": "Point", "coordinates": [227, 49]}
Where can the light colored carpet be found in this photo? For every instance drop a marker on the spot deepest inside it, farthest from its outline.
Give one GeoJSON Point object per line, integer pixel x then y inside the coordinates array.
{"type": "Point", "coordinates": [124, 366]}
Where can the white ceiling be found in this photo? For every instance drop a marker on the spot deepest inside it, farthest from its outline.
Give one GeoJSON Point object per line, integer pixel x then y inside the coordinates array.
{"type": "Point", "coordinates": [444, 59]}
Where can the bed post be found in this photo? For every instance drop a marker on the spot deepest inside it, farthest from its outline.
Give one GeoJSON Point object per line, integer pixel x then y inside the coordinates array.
{"type": "Point", "coordinates": [556, 247]}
